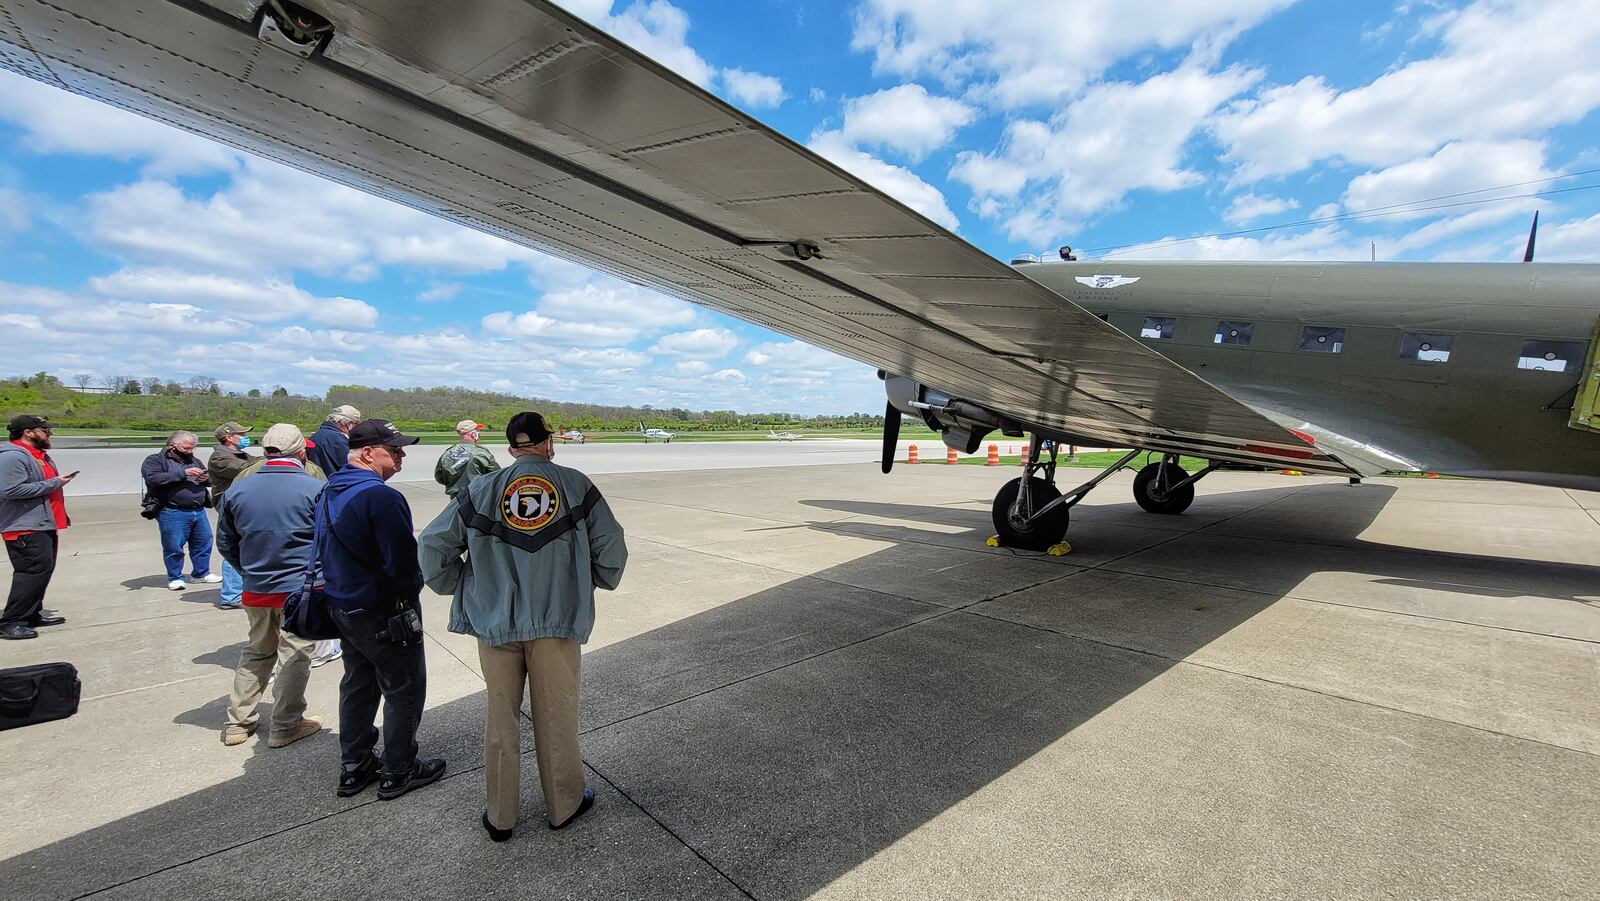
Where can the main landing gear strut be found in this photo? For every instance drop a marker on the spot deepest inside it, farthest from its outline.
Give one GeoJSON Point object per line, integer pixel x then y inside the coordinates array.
{"type": "Point", "coordinates": [1031, 514]}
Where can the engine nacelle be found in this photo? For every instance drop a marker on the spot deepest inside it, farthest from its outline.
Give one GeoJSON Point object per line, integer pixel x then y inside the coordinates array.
{"type": "Point", "coordinates": [960, 424]}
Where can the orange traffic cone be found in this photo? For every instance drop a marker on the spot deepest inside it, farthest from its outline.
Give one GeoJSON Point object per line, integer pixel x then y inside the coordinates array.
{"type": "Point", "coordinates": [950, 455]}
{"type": "Point", "coordinates": [994, 456]}
{"type": "Point", "coordinates": [911, 454]}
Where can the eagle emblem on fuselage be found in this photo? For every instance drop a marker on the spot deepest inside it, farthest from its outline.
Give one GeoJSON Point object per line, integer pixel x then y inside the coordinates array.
{"type": "Point", "coordinates": [1106, 281]}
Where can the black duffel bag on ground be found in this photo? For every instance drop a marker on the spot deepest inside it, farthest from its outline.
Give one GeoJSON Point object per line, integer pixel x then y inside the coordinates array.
{"type": "Point", "coordinates": [38, 693]}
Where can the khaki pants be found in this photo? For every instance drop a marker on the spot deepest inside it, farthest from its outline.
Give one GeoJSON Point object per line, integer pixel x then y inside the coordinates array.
{"type": "Point", "coordinates": [551, 668]}
{"type": "Point", "coordinates": [269, 644]}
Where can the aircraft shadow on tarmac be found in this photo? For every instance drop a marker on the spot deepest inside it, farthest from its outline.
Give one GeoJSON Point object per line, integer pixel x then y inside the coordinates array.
{"type": "Point", "coordinates": [785, 737]}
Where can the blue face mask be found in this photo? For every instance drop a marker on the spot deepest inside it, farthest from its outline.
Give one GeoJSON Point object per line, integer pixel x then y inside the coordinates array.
{"type": "Point", "coordinates": [244, 442]}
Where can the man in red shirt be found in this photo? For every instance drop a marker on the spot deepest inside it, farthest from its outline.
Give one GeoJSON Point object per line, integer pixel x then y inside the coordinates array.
{"type": "Point", "coordinates": [32, 514]}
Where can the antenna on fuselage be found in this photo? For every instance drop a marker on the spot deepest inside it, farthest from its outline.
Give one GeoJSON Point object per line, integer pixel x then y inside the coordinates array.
{"type": "Point", "coordinates": [1527, 255]}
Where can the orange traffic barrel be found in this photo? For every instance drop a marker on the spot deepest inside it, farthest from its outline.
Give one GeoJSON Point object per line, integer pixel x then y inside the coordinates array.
{"type": "Point", "coordinates": [950, 455]}
{"type": "Point", "coordinates": [911, 454]}
{"type": "Point", "coordinates": [994, 456]}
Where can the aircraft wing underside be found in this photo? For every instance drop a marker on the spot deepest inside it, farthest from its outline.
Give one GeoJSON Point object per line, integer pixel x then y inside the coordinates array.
{"type": "Point", "coordinates": [517, 119]}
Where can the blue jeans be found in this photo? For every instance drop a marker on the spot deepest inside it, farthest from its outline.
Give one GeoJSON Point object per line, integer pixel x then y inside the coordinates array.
{"type": "Point", "coordinates": [232, 585]}
{"type": "Point", "coordinates": [180, 528]}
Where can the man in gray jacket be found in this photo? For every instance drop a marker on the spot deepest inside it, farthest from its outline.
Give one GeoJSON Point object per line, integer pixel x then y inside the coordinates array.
{"type": "Point", "coordinates": [33, 512]}
{"type": "Point", "coordinates": [265, 526]}
{"type": "Point", "coordinates": [539, 539]}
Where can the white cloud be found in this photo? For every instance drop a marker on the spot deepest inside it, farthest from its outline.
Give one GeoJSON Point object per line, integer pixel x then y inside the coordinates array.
{"type": "Point", "coordinates": [1467, 166]}
{"type": "Point", "coordinates": [691, 368]}
{"type": "Point", "coordinates": [439, 292]}
{"type": "Point", "coordinates": [660, 31]}
{"type": "Point", "coordinates": [1506, 69]}
{"type": "Point", "coordinates": [556, 331]}
{"type": "Point", "coordinates": [55, 121]}
{"type": "Point", "coordinates": [1117, 138]}
{"type": "Point", "coordinates": [1577, 241]}
{"type": "Point", "coordinates": [260, 300]}
{"type": "Point", "coordinates": [1250, 207]}
{"type": "Point", "coordinates": [1327, 243]}
{"type": "Point", "coordinates": [607, 300]}
{"type": "Point", "coordinates": [905, 119]}
{"type": "Point", "coordinates": [752, 88]}
{"type": "Point", "coordinates": [728, 375]}
{"type": "Point", "coordinates": [897, 181]}
{"type": "Point", "coordinates": [14, 212]}
{"type": "Point", "coordinates": [699, 344]}
{"type": "Point", "coordinates": [605, 358]}
{"type": "Point", "coordinates": [271, 218]}
{"type": "Point", "coordinates": [796, 355]}
{"type": "Point", "coordinates": [1044, 52]}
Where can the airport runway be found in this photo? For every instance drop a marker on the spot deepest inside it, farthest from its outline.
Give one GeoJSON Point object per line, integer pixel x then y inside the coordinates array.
{"type": "Point", "coordinates": [116, 470]}
{"type": "Point", "coordinates": [818, 682]}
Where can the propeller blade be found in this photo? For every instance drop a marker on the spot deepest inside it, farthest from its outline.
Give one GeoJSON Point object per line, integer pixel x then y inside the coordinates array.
{"type": "Point", "coordinates": [891, 435]}
{"type": "Point", "coordinates": [1527, 256]}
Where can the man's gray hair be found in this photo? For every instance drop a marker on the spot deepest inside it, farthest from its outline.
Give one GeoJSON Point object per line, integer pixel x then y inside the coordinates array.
{"type": "Point", "coordinates": [181, 435]}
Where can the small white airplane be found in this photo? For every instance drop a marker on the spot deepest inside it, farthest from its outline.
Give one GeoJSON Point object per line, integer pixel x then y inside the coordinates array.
{"type": "Point", "coordinates": [784, 436]}
{"type": "Point", "coordinates": [572, 435]}
{"type": "Point", "coordinates": [655, 434]}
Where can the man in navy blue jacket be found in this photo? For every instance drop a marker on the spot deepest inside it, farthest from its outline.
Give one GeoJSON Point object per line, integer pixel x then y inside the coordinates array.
{"type": "Point", "coordinates": [372, 583]}
{"type": "Point", "coordinates": [330, 446]}
{"type": "Point", "coordinates": [264, 530]}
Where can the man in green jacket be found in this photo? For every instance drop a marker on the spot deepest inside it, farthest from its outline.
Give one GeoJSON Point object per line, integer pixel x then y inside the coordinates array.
{"type": "Point", "coordinates": [538, 539]}
{"type": "Point", "coordinates": [465, 460]}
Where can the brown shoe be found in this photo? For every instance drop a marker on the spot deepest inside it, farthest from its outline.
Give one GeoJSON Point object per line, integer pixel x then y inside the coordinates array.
{"type": "Point", "coordinates": [308, 725]}
{"type": "Point", "coordinates": [237, 735]}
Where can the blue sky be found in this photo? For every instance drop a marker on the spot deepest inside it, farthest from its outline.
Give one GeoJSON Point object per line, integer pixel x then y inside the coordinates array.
{"type": "Point", "coordinates": [128, 248]}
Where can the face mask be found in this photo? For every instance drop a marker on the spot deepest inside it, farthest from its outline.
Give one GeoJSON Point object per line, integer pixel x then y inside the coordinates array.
{"type": "Point", "coordinates": [244, 442]}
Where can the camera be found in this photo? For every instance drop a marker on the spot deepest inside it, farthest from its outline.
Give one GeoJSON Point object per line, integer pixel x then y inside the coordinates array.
{"type": "Point", "coordinates": [404, 627]}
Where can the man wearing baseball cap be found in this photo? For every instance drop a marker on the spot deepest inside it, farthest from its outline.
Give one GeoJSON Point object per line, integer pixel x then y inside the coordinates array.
{"type": "Point", "coordinates": [464, 461]}
{"type": "Point", "coordinates": [33, 512]}
{"type": "Point", "coordinates": [372, 583]}
{"type": "Point", "coordinates": [227, 461]}
{"type": "Point", "coordinates": [265, 529]}
{"type": "Point", "coordinates": [522, 552]}
{"type": "Point", "coordinates": [328, 444]}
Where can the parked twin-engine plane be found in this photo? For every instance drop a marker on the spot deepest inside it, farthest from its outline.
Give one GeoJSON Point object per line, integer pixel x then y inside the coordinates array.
{"type": "Point", "coordinates": [516, 118]}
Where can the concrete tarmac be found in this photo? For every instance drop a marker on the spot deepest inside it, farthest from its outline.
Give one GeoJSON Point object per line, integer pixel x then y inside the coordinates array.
{"type": "Point", "coordinates": [116, 470]}
{"type": "Point", "coordinates": [818, 682]}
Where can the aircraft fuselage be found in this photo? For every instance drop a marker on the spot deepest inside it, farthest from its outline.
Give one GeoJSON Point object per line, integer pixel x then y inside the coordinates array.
{"type": "Point", "coordinates": [1468, 369]}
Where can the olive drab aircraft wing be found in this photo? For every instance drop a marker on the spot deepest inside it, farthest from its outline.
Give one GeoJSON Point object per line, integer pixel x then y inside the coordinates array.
{"type": "Point", "coordinates": [520, 120]}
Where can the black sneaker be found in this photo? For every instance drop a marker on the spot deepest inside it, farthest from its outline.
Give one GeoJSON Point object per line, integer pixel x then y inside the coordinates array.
{"type": "Point", "coordinates": [583, 807]}
{"type": "Point", "coordinates": [354, 782]}
{"type": "Point", "coordinates": [423, 772]}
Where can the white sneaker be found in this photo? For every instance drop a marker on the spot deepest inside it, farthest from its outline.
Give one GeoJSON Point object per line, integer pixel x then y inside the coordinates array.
{"type": "Point", "coordinates": [210, 579]}
{"type": "Point", "coordinates": [337, 653]}
{"type": "Point", "coordinates": [176, 585]}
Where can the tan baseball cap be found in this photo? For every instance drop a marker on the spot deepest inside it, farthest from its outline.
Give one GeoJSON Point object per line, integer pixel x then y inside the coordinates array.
{"type": "Point", "coordinates": [345, 413]}
{"type": "Point", "coordinates": [468, 425]}
{"type": "Point", "coordinates": [284, 440]}
{"type": "Point", "coordinates": [230, 428]}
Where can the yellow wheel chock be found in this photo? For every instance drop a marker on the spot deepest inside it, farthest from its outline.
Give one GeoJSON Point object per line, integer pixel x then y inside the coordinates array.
{"type": "Point", "coordinates": [1059, 550]}
{"type": "Point", "coordinates": [992, 541]}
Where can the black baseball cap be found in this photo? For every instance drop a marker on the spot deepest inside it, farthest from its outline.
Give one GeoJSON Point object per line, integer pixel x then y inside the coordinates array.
{"type": "Point", "coordinates": [27, 421]}
{"type": "Point", "coordinates": [527, 429]}
{"type": "Point", "coordinates": [373, 432]}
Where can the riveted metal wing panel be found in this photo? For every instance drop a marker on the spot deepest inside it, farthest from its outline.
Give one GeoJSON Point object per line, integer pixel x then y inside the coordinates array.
{"type": "Point", "coordinates": [517, 119]}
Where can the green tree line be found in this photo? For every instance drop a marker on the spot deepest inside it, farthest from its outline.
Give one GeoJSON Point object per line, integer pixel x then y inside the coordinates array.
{"type": "Point", "coordinates": [199, 405]}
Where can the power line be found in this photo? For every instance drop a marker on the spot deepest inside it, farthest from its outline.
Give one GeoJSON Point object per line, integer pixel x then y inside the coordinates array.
{"type": "Point", "coordinates": [1394, 209]}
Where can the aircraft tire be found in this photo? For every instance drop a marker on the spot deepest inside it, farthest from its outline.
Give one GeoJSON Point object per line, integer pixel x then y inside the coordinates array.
{"type": "Point", "coordinates": [1043, 533]}
{"type": "Point", "coordinates": [1172, 502]}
